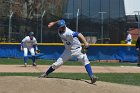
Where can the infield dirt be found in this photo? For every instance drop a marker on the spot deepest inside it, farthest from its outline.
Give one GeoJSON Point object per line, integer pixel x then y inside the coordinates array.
{"type": "Point", "coordinates": [16, 84]}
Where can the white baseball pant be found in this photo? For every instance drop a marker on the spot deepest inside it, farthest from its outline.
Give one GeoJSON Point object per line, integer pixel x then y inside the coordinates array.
{"type": "Point", "coordinates": [68, 54]}
{"type": "Point", "coordinates": [31, 51]}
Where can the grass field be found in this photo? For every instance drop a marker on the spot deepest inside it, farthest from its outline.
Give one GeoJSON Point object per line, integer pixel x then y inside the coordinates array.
{"type": "Point", "coordinates": [122, 78]}
{"type": "Point", "coordinates": [12, 61]}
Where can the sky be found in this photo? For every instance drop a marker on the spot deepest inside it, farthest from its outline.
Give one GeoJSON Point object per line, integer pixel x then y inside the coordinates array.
{"type": "Point", "coordinates": [131, 6]}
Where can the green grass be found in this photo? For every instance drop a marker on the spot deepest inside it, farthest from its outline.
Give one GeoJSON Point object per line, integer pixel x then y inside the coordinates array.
{"type": "Point", "coordinates": [121, 78]}
{"type": "Point", "coordinates": [12, 61]}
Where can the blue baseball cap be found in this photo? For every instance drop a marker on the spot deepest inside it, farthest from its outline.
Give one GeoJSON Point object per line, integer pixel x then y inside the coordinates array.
{"type": "Point", "coordinates": [61, 23]}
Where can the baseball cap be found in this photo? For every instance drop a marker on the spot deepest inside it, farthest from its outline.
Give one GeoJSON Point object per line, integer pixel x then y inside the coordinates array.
{"type": "Point", "coordinates": [31, 34]}
{"type": "Point", "coordinates": [61, 23]}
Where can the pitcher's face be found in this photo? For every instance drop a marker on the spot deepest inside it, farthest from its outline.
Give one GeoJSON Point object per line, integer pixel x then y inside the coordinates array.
{"type": "Point", "coordinates": [62, 30]}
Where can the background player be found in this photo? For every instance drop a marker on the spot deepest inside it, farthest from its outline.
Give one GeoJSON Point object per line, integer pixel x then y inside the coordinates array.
{"type": "Point", "coordinates": [128, 38]}
{"type": "Point", "coordinates": [28, 43]}
{"type": "Point", "coordinates": [72, 49]}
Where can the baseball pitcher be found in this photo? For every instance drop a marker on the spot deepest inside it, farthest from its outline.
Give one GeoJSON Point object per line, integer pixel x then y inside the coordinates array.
{"type": "Point", "coordinates": [73, 48]}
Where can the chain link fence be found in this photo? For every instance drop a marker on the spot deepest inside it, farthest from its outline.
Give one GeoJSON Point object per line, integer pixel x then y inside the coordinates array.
{"type": "Point", "coordinates": [19, 17]}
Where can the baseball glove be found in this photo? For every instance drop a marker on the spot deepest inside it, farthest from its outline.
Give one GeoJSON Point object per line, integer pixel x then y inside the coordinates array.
{"type": "Point", "coordinates": [38, 51]}
{"type": "Point", "coordinates": [84, 49]}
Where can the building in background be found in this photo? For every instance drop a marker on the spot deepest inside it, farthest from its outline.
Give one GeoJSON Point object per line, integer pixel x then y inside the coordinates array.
{"type": "Point", "coordinates": [101, 21]}
{"type": "Point", "coordinates": [112, 23]}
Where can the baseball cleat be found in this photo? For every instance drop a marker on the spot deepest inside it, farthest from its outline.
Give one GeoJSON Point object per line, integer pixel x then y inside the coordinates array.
{"type": "Point", "coordinates": [25, 64]}
{"type": "Point", "coordinates": [44, 75]}
{"type": "Point", "coordinates": [93, 79]}
{"type": "Point", "coordinates": [34, 64]}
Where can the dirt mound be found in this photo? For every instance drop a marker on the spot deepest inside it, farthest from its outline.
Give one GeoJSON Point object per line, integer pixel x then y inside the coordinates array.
{"type": "Point", "coordinates": [16, 84]}
{"type": "Point", "coordinates": [70, 69]}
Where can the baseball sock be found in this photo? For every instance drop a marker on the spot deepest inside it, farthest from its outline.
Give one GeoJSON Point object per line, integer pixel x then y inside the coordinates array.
{"type": "Point", "coordinates": [89, 70]}
{"type": "Point", "coordinates": [25, 59]}
{"type": "Point", "coordinates": [33, 59]}
{"type": "Point", "coordinates": [49, 70]}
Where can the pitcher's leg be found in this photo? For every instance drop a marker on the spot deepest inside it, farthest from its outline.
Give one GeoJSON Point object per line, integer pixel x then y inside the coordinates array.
{"type": "Point", "coordinates": [54, 66]}
{"type": "Point", "coordinates": [83, 58]}
{"type": "Point", "coordinates": [64, 57]}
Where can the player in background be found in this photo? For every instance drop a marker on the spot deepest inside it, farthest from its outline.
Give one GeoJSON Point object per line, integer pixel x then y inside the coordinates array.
{"type": "Point", "coordinates": [72, 49]}
{"type": "Point", "coordinates": [28, 43]}
{"type": "Point", "coordinates": [128, 38]}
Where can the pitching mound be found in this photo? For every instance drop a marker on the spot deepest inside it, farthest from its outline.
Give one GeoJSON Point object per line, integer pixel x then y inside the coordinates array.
{"type": "Point", "coordinates": [15, 84]}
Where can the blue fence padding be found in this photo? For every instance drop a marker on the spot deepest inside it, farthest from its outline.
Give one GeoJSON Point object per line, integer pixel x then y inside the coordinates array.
{"type": "Point", "coordinates": [10, 51]}
{"type": "Point", "coordinates": [122, 53]}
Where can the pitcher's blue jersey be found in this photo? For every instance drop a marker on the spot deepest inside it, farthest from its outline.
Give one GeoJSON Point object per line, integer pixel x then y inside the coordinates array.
{"type": "Point", "coordinates": [70, 39]}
